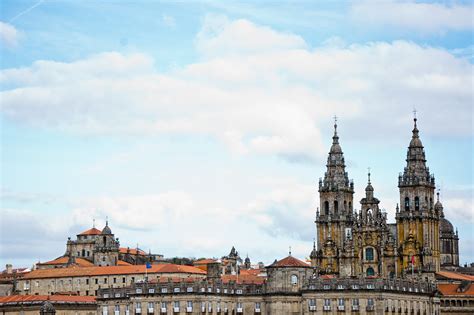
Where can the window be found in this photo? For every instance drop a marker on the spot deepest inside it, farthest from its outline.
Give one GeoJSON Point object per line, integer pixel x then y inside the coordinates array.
{"type": "Point", "coordinates": [96, 281]}
{"type": "Point", "coordinates": [239, 305]}
{"type": "Point", "coordinates": [327, 302]}
{"type": "Point", "coordinates": [189, 304]}
{"type": "Point", "coordinates": [151, 290]}
{"type": "Point", "coordinates": [176, 305]}
{"type": "Point", "coordinates": [417, 203]}
{"type": "Point", "coordinates": [326, 287]}
{"type": "Point", "coordinates": [163, 305]}
{"type": "Point", "coordinates": [123, 280]}
{"type": "Point", "coordinates": [138, 290]}
{"type": "Point", "coordinates": [294, 279]}
{"type": "Point", "coordinates": [355, 302]}
{"type": "Point", "coordinates": [336, 206]}
{"type": "Point", "coordinates": [257, 305]}
{"type": "Point", "coordinates": [370, 271]}
{"type": "Point", "coordinates": [117, 308]}
{"type": "Point", "coordinates": [340, 302]}
{"type": "Point", "coordinates": [176, 290]}
{"type": "Point", "coordinates": [78, 254]}
{"type": "Point", "coordinates": [326, 207]}
{"type": "Point", "coordinates": [369, 254]}
{"type": "Point", "coordinates": [151, 306]}
{"type": "Point", "coordinates": [105, 310]}
{"type": "Point", "coordinates": [312, 302]}
{"type": "Point", "coordinates": [83, 252]}
{"type": "Point", "coordinates": [370, 302]}
{"type": "Point", "coordinates": [138, 306]}
{"type": "Point", "coordinates": [189, 289]}
{"type": "Point", "coordinates": [103, 258]}
{"type": "Point", "coordinates": [115, 280]}
{"type": "Point", "coordinates": [239, 291]}
{"type": "Point", "coordinates": [88, 253]}
{"type": "Point", "coordinates": [105, 280]}
{"type": "Point", "coordinates": [87, 292]}
{"type": "Point", "coordinates": [87, 281]}
{"type": "Point", "coordinates": [164, 290]}
{"type": "Point", "coordinates": [407, 203]}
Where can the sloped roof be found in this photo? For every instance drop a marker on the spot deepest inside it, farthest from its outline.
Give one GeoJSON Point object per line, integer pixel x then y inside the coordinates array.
{"type": "Point", "coordinates": [111, 270]}
{"type": "Point", "coordinates": [454, 275]}
{"type": "Point", "coordinates": [204, 261]}
{"type": "Point", "coordinates": [132, 251]}
{"type": "Point", "coordinates": [81, 262]}
{"type": "Point", "coordinates": [123, 263]}
{"type": "Point", "coordinates": [92, 231]}
{"type": "Point", "coordinates": [448, 289]}
{"type": "Point", "coordinates": [248, 279]}
{"type": "Point", "coordinates": [41, 298]}
{"type": "Point", "coordinates": [289, 261]}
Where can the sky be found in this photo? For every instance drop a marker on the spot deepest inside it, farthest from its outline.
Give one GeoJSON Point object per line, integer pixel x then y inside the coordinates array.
{"type": "Point", "coordinates": [195, 126]}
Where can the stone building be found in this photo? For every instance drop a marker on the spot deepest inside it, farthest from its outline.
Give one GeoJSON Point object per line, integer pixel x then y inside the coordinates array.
{"type": "Point", "coordinates": [48, 305]}
{"type": "Point", "coordinates": [352, 243]}
{"type": "Point", "coordinates": [94, 247]}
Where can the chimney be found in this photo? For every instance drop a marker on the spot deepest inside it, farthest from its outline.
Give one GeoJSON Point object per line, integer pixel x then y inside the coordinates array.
{"type": "Point", "coordinates": [9, 268]}
{"type": "Point", "coordinates": [213, 270]}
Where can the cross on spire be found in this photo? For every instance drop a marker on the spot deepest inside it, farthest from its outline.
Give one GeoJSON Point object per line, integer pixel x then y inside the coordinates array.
{"type": "Point", "coordinates": [93, 223]}
{"type": "Point", "coordinates": [414, 112]}
{"type": "Point", "coordinates": [368, 169]}
{"type": "Point", "coordinates": [290, 251]}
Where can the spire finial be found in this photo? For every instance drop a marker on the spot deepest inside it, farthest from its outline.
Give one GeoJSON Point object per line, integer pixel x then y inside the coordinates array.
{"type": "Point", "coordinates": [314, 243]}
{"type": "Point", "coordinates": [107, 220]}
{"type": "Point", "coordinates": [93, 223]}
{"type": "Point", "coordinates": [437, 195]}
{"type": "Point", "coordinates": [368, 173]}
{"type": "Point", "coordinates": [414, 116]}
{"type": "Point", "coordinates": [289, 251]}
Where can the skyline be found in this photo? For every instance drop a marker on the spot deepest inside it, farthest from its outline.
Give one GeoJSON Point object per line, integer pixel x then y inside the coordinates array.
{"type": "Point", "coordinates": [197, 127]}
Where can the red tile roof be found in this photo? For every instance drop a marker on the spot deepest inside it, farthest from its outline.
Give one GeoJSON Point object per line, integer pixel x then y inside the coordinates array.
{"type": "Point", "coordinates": [204, 261]}
{"type": "Point", "coordinates": [81, 262]}
{"type": "Point", "coordinates": [448, 289]}
{"type": "Point", "coordinates": [123, 263]}
{"type": "Point", "coordinates": [249, 279]}
{"type": "Point", "coordinates": [92, 231]}
{"type": "Point", "coordinates": [290, 261]}
{"type": "Point", "coordinates": [454, 275]}
{"type": "Point", "coordinates": [254, 272]}
{"type": "Point", "coordinates": [132, 251]}
{"type": "Point", "coordinates": [41, 298]}
{"type": "Point", "coordinates": [111, 270]}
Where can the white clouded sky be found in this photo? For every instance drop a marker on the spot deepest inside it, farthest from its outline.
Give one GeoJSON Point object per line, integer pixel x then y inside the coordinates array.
{"type": "Point", "coordinates": [209, 127]}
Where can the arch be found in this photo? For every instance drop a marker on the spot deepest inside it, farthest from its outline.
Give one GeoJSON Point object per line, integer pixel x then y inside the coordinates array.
{"type": "Point", "coordinates": [407, 203]}
{"type": "Point", "coordinates": [370, 272]}
{"type": "Point", "coordinates": [345, 205]}
{"type": "Point", "coordinates": [326, 207]}
{"type": "Point", "coordinates": [417, 203]}
{"type": "Point", "coordinates": [105, 240]}
{"type": "Point", "coordinates": [336, 206]}
{"type": "Point", "coordinates": [83, 253]}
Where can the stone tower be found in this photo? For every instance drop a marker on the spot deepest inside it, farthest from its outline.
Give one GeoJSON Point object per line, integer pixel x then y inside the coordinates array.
{"type": "Point", "coordinates": [334, 220]}
{"type": "Point", "coordinates": [106, 249]}
{"type": "Point", "coordinates": [417, 220]}
{"type": "Point", "coordinates": [449, 253]}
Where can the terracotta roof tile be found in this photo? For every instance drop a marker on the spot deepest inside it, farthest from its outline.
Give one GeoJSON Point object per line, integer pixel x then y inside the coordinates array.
{"type": "Point", "coordinates": [448, 289]}
{"type": "Point", "coordinates": [131, 251]}
{"type": "Point", "coordinates": [454, 275]}
{"type": "Point", "coordinates": [81, 262]}
{"type": "Point", "coordinates": [92, 231]}
{"type": "Point", "coordinates": [204, 261]}
{"type": "Point", "coordinates": [111, 270]}
{"type": "Point", "coordinates": [123, 263]}
{"type": "Point", "coordinates": [41, 298]}
{"type": "Point", "coordinates": [290, 261]}
{"type": "Point", "coordinates": [249, 279]}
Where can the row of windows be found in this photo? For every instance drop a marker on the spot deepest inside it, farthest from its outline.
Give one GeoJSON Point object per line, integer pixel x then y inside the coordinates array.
{"type": "Point", "coordinates": [336, 206]}
{"type": "Point", "coordinates": [340, 302]}
{"type": "Point", "coordinates": [176, 305]}
{"type": "Point", "coordinates": [417, 203]}
{"type": "Point", "coordinates": [188, 289]}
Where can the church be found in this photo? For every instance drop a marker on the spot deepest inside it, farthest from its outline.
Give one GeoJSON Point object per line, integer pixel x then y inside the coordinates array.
{"type": "Point", "coordinates": [352, 243]}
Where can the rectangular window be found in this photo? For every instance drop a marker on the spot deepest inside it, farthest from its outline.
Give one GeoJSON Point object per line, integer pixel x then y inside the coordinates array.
{"type": "Point", "coordinates": [370, 302]}
{"type": "Point", "coordinates": [312, 302]}
{"type": "Point", "coordinates": [115, 280]}
{"type": "Point", "coordinates": [138, 306]}
{"type": "Point", "coordinates": [87, 292]}
{"type": "Point", "coordinates": [189, 289]}
{"type": "Point", "coordinates": [123, 280]}
{"type": "Point", "coordinates": [105, 310]}
{"type": "Point", "coordinates": [151, 305]}
{"type": "Point", "coordinates": [117, 308]}
{"type": "Point", "coordinates": [340, 302]}
{"type": "Point", "coordinates": [96, 281]}
{"type": "Point", "coordinates": [327, 302]}
{"type": "Point", "coordinates": [105, 280]}
{"type": "Point", "coordinates": [355, 301]}
{"type": "Point", "coordinates": [87, 281]}
{"type": "Point", "coordinates": [164, 290]}
{"type": "Point", "coordinates": [176, 290]}
{"type": "Point", "coordinates": [189, 304]}
{"type": "Point", "coordinates": [257, 305]}
{"type": "Point", "coordinates": [163, 305]}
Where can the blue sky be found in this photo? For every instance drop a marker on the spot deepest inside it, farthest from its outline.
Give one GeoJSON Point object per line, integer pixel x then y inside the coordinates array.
{"type": "Point", "coordinates": [196, 126]}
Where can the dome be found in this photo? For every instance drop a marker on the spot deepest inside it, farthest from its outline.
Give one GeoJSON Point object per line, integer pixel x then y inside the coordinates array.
{"type": "Point", "coordinates": [106, 229]}
{"type": "Point", "coordinates": [445, 226]}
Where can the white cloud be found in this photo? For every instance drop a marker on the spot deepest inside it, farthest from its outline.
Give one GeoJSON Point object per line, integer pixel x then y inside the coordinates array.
{"type": "Point", "coordinates": [271, 95]}
{"type": "Point", "coordinates": [168, 20]}
{"type": "Point", "coordinates": [9, 35]}
{"type": "Point", "coordinates": [411, 15]}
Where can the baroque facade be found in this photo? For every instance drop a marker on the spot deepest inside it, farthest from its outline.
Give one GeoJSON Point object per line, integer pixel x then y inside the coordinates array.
{"type": "Point", "coordinates": [352, 243]}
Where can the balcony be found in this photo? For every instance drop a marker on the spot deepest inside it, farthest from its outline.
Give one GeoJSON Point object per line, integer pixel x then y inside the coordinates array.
{"type": "Point", "coordinates": [176, 309]}
{"type": "Point", "coordinates": [151, 310]}
{"type": "Point", "coordinates": [257, 310]}
{"type": "Point", "coordinates": [189, 309]}
{"type": "Point", "coordinates": [163, 310]}
{"type": "Point", "coordinates": [340, 308]}
{"type": "Point", "coordinates": [326, 307]}
{"type": "Point", "coordinates": [312, 308]}
{"type": "Point", "coordinates": [355, 307]}
{"type": "Point", "coordinates": [370, 308]}
{"type": "Point", "coordinates": [240, 310]}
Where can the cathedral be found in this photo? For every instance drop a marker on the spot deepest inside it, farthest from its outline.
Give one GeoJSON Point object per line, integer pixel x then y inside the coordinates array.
{"type": "Point", "coordinates": [353, 243]}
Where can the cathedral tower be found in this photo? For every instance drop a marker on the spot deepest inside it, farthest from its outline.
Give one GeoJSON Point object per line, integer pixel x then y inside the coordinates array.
{"type": "Point", "coordinates": [334, 220]}
{"type": "Point", "coordinates": [417, 219]}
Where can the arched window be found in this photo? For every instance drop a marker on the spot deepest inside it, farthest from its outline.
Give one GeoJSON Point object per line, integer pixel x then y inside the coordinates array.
{"type": "Point", "coordinates": [345, 205]}
{"type": "Point", "coordinates": [417, 203]}
{"type": "Point", "coordinates": [370, 272]}
{"type": "Point", "coordinates": [105, 240]}
{"type": "Point", "coordinates": [369, 254]}
{"type": "Point", "coordinates": [326, 207]}
{"type": "Point", "coordinates": [83, 252]}
{"type": "Point", "coordinates": [336, 206]}
{"type": "Point", "coordinates": [294, 279]}
{"type": "Point", "coordinates": [407, 203]}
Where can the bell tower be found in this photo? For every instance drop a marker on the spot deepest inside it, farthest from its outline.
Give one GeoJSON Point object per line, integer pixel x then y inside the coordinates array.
{"type": "Point", "coordinates": [417, 220]}
{"type": "Point", "coordinates": [334, 219]}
